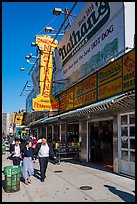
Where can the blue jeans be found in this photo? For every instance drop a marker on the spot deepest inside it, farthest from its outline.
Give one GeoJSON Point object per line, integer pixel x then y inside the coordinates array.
{"type": "Point", "coordinates": [27, 167]}
{"type": "Point", "coordinates": [43, 161]}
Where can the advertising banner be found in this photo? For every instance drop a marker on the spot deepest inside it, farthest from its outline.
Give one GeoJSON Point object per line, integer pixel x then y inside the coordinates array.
{"type": "Point", "coordinates": [78, 90]}
{"type": "Point", "coordinates": [18, 118]}
{"type": "Point", "coordinates": [89, 83]}
{"type": "Point", "coordinates": [13, 117]}
{"type": "Point", "coordinates": [45, 101]}
{"type": "Point", "coordinates": [62, 102]}
{"type": "Point", "coordinates": [96, 35]}
{"type": "Point", "coordinates": [113, 79]}
{"type": "Point", "coordinates": [112, 88]}
{"type": "Point", "coordinates": [85, 99]}
{"type": "Point", "coordinates": [110, 72]}
{"type": "Point", "coordinates": [69, 99]}
{"type": "Point", "coordinates": [129, 71]}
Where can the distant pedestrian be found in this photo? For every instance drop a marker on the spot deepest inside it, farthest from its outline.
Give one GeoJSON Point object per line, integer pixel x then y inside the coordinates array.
{"type": "Point", "coordinates": [39, 140]}
{"type": "Point", "coordinates": [27, 164]}
{"type": "Point", "coordinates": [31, 139]}
{"type": "Point", "coordinates": [33, 148]}
{"type": "Point", "coordinates": [44, 151]}
{"type": "Point", "coordinates": [15, 150]}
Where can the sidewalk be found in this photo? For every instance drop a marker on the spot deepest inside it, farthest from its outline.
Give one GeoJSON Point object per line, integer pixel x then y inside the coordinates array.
{"type": "Point", "coordinates": [63, 183]}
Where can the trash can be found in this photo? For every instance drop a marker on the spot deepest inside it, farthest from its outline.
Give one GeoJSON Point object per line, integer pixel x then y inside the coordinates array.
{"type": "Point", "coordinates": [12, 178]}
{"type": "Point", "coordinates": [3, 148]}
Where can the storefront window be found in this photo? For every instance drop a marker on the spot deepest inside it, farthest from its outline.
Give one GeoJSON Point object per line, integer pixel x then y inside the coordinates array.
{"type": "Point", "coordinates": [124, 155]}
{"type": "Point", "coordinates": [73, 133]}
{"type": "Point", "coordinates": [132, 119]}
{"type": "Point", "coordinates": [124, 142]}
{"type": "Point", "coordinates": [124, 131]}
{"type": "Point", "coordinates": [124, 120]}
{"type": "Point", "coordinates": [132, 156]}
{"type": "Point", "coordinates": [132, 131]}
{"type": "Point", "coordinates": [132, 143]}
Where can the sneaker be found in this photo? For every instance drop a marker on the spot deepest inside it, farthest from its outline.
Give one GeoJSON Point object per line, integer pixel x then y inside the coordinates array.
{"type": "Point", "coordinates": [29, 180]}
{"type": "Point", "coordinates": [42, 180]}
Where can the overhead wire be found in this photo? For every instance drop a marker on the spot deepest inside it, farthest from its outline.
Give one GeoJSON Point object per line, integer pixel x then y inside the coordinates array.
{"type": "Point", "coordinates": [47, 25]}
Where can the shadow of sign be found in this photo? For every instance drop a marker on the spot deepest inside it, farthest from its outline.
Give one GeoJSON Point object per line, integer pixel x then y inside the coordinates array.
{"type": "Point", "coordinates": [127, 197]}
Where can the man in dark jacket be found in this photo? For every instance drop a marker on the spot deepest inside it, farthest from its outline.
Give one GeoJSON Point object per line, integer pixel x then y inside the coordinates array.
{"type": "Point", "coordinates": [44, 152]}
{"type": "Point", "coordinates": [15, 150]}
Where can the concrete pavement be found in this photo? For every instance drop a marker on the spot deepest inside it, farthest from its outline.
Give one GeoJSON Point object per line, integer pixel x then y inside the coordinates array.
{"type": "Point", "coordinates": [63, 183]}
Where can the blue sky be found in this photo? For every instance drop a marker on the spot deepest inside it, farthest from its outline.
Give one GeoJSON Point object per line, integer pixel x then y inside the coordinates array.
{"type": "Point", "coordinates": [21, 21]}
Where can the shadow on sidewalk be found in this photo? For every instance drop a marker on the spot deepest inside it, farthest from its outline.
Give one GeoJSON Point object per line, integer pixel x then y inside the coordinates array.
{"type": "Point", "coordinates": [127, 197]}
{"type": "Point", "coordinates": [37, 174]}
{"type": "Point", "coordinates": [91, 165]}
{"type": "Point", "coordinates": [96, 166]}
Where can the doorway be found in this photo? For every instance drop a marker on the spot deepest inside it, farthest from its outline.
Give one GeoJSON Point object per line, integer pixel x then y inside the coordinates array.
{"type": "Point", "coordinates": [101, 143]}
{"type": "Point", "coordinates": [127, 143]}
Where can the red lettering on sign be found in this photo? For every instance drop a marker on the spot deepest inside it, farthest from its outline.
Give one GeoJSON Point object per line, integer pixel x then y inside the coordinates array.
{"type": "Point", "coordinates": [45, 55]}
{"type": "Point", "coordinates": [47, 79]}
{"type": "Point", "coordinates": [130, 64]}
{"type": "Point", "coordinates": [46, 86]}
{"type": "Point", "coordinates": [46, 94]}
{"type": "Point", "coordinates": [46, 47]}
{"type": "Point", "coordinates": [55, 106]}
{"type": "Point", "coordinates": [37, 105]}
{"type": "Point", "coordinates": [44, 40]}
{"type": "Point", "coordinates": [46, 70]}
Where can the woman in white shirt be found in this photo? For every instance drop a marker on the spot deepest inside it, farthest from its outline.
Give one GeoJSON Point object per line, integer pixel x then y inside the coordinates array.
{"type": "Point", "coordinates": [16, 152]}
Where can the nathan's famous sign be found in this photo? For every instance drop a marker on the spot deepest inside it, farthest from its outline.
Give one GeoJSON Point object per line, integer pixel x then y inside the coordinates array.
{"type": "Point", "coordinates": [45, 100]}
{"type": "Point", "coordinates": [95, 35]}
{"type": "Point", "coordinates": [96, 18]}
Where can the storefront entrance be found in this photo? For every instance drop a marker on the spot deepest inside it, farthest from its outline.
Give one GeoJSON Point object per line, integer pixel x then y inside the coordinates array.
{"type": "Point", "coordinates": [101, 143]}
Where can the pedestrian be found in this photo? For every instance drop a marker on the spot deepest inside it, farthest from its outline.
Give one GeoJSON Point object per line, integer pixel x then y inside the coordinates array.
{"type": "Point", "coordinates": [27, 164]}
{"type": "Point", "coordinates": [33, 148]}
{"type": "Point", "coordinates": [44, 151]}
{"type": "Point", "coordinates": [31, 139]}
{"type": "Point", "coordinates": [15, 150]}
{"type": "Point", "coordinates": [39, 140]}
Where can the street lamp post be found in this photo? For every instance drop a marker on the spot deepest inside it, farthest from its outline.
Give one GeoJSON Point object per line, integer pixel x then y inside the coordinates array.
{"type": "Point", "coordinates": [50, 29]}
{"type": "Point", "coordinates": [58, 11]}
{"type": "Point", "coordinates": [66, 18]}
{"type": "Point", "coordinates": [33, 63]}
{"type": "Point", "coordinates": [31, 56]}
{"type": "Point", "coordinates": [30, 62]}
